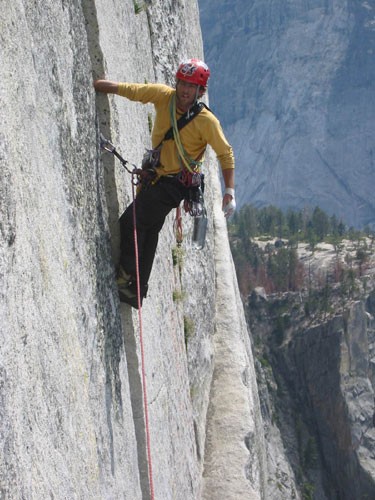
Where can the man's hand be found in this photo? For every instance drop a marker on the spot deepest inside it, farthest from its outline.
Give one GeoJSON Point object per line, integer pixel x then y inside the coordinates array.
{"type": "Point", "coordinates": [106, 86]}
{"type": "Point", "coordinates": [229, 204]}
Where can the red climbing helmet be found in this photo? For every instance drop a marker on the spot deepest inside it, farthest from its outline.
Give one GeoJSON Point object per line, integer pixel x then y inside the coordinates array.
{"type": "Point", "coordinates": [193, 71]}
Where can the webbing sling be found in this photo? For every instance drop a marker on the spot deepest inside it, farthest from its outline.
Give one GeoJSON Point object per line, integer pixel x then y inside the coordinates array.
{"type": "Point", "coordinates": [184, 120]}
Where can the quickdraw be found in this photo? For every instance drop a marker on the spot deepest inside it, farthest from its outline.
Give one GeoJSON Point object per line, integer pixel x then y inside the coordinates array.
{"type": "Point", "coordinates": [106, 145]}
{"type": "Point", "coordinates": [140, 176]}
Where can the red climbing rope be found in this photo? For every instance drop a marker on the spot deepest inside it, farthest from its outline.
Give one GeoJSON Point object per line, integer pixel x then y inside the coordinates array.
{"type": "Point", "coordinates": [148, 440]}
{"type": "Point", "coordinates": [106, 145]}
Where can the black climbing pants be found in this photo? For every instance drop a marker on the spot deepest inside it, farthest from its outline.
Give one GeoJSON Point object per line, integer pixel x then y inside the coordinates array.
{"type": "Point", "coordinates": [152, 205]}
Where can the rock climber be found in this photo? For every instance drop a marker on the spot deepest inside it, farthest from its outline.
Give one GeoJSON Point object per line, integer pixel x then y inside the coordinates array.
{"type": "Point", "coordinates": [174, 165]}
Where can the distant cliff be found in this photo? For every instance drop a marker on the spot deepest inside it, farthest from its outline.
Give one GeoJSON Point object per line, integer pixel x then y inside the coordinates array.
{"type": "Point", "coordinates": [294, 84]}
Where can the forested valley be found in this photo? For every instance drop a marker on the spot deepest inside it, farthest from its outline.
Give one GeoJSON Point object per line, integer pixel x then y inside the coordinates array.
{"type": "Point", "coordinates": [270, 249]}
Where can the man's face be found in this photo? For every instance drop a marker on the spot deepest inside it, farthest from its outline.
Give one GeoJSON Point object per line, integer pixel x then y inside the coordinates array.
{"type": "Point", "coordinates": [186, 94]}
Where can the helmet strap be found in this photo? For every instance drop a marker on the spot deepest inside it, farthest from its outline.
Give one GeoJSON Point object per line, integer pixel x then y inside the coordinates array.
{"type": "Point", "coordinates": [195, 100]}
{"type": "Point", "coordinates": [197, 93]}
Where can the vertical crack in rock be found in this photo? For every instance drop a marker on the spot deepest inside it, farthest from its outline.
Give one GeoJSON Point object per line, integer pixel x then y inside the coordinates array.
{"type": "Point", "coordinates": [151, 35]}
{"type": "Point", "coordinates": [197, 443]}
{"type": "Point", "coordinates": [136, 392]}
{"type": "Point", "coordinates": [103, 122]}
{"type": "Point", "coordinates": [107, 312]}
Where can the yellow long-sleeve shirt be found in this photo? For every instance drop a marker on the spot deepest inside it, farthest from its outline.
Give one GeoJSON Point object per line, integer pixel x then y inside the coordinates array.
{"type": "Point", "coordinates": [204, 129]}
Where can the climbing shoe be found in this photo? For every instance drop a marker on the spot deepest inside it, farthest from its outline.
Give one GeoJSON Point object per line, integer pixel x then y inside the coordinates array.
{"type": "Point", "coordinates": [129, 294]}
{"type": "Point", "coordinates": [127, 288]}
{"type": "Point", "coordinates": [123, 278]}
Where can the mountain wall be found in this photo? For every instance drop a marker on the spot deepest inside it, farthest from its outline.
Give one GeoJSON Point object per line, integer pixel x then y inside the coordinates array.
{"type": "Point", "coordinates": [293, 83]}
{"type": "Point", "coordinates": [72, 421]}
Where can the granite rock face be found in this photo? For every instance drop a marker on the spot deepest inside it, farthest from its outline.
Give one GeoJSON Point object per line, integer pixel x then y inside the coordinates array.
{"type": "Point", "coordinates": [294, 83]}
{"type": "Point", "coordinates": [72, 412]}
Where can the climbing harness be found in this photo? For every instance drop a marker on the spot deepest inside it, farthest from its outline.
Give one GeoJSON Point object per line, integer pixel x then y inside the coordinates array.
{"type": "Point", "coordinates": [107, 146]}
